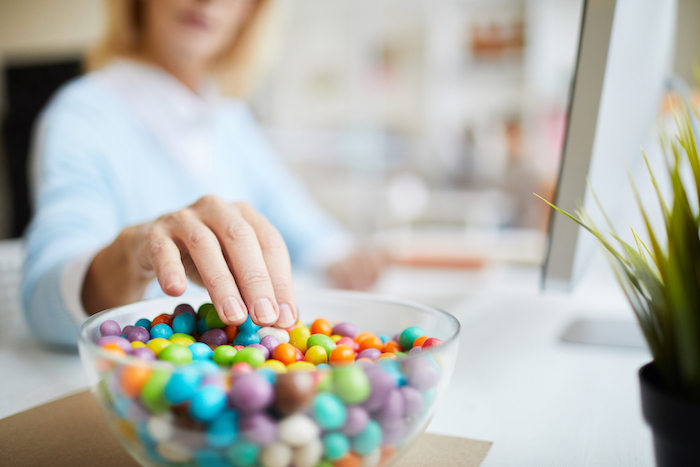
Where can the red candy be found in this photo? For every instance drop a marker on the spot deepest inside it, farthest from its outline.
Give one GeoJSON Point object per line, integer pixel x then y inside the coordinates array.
{"type": "Point", "coordinates": [432, 342]}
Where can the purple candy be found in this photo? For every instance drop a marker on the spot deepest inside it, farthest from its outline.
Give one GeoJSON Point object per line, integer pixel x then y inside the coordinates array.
{"type": "Point", "coordinates": [137, 412]}
{"type": "Point", "coordinates": [259, 428]}
{"type": "Point", "coordinates": [391, 409]}
{"type": "Point", "coordinates": [262, 348]}
{"type": "Point", "coordinates": [144, 353]}
{"type": "Point", "coordinates": [184, 308]}
{"type": "Point", "coordinates": [412, 401]}
{"type": "Point", "coordinates": [414, 350]}
{"type": "Point", "coordinates": [370, 353]}
{"type": "Point", "coordinates": [214, 379]}
{"type": "Point", "coordinates": [345, 330]}
{"type": "Point", "coordinates": [214, 337]}
{"type": "Point", "coordinates": [126, 329]}
{"type": "Point", "coordinates": [124, 344]}
{"type": "Point", "coordinates": [110, 328]}
{"type": "Point", "coordinates": [137, 333]}
{"type": "Point", "coordinates": [355, 421]}
{"type": "Point", "coordinates": [269, 342]}
{"type": "Point", "coordinates": [250, 393]}
{"type": "Point", "coordinates": [396, 337]}
{"type": "Point", "coordinates": [421, 373]}
{"type": "Point", "coordinates": [382, 384]}
{"type": "Point", "coordinates": [392, 431]}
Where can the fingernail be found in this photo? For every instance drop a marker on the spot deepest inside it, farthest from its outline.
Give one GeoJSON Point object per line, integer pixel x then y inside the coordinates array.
{"type": "Point", "coordinates": [264, 311]}
{"type": "Point", "coordinates": [173, 280]}
{"type": "Point", "coordinates": [286, 318]}
{"type": "Point", "coordinates": [233, 309]}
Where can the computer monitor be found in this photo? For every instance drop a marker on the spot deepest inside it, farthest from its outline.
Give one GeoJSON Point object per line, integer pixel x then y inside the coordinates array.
{"type": "Point", "coordinates": [624, 62]}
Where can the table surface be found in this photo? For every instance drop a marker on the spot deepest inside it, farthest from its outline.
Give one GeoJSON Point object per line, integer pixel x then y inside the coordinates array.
{"type": "Point", "coordinates": [542, 402]}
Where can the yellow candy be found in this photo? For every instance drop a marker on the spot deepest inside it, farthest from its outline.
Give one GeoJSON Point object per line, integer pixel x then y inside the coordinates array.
{"type": "Point", "coordinates": [316, 354]}
{"type": "Point", "coordinates": [137, 344]}
{"type": "Point", "coordinates": [183, 341]}
{"type": "Point", "coordinates": [274, 365]}
{"type": "Point", "coordinates": [301, 366]}
{"type": "Point", "coordinates": [298, 338]}
{"type": "Point", "coordinates": [158, 344]}
{"type": "Point", "coordinates": [336, 337]}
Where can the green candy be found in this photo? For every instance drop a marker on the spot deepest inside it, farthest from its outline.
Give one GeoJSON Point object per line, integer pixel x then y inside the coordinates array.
{"type": "Point", "coordinates": [328, 411]}
{"type": "Point", "coordinates": [243, 453]}
{"type": "Point", "coordinates": [250, 355]}
{"type": "Point", "coordinates": [324, 463]}
{"type": "Point", "coordinates": [351, 384]}
{"type": "Point", "coordinates": [213, 321]}
{"type": "Point", "coordinates": [322, 340]}
{"type": "Point", "coordinates": [204, 310]}
{"type": "Point", "coordinates": [224, 355]}
{"type": "Point", "coordinates": [325, 385]}
{"type": "Point", "coordinates": [152, 392]}
{"type": "Point", "coordinates": [176, 354]}
{"type": "Point", "coordinates": [409, 335]}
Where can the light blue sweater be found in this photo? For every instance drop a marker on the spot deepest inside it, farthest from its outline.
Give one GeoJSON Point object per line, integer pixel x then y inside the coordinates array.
{"type": "Point", "coordinates": [100, 169]}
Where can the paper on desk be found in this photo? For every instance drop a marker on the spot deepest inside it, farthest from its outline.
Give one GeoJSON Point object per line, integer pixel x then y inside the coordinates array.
{"type": "Point", "coordinates": [71, 432]}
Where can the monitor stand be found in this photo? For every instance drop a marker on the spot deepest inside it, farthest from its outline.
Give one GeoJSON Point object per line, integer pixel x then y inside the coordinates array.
{"type": "Point", "coordinates": [602, 332]}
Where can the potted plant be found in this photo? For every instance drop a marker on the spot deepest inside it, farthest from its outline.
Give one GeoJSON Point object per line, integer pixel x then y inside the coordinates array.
{"type": "Point", "coordinates": [661, 279]}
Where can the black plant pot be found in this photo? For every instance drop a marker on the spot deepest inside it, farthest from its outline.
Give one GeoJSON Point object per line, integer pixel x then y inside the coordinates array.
{"type": "Point", "coordinates": [674, 421]}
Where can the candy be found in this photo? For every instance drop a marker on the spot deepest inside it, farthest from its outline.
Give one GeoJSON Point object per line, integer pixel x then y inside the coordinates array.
{"type": "Point", "coordinates": [207, 403]}
{"type": "Point", "coordinates": [329, 412]}
{"type": "Point", "coordinates": [224, 354]}
{"type": "Point", "coordinates": [243, 453]}
{"type": "Point", "coordinates": [321, 340]}
{"type": "Point", "coordinates": [408, 335]}
{"type": "Point", "coordinates": [214, 337]}
{"type": "Point", "coordinates": [161, 330]}
{"type": "Point", "coordinates": [259, 428]}
{"type": "Point", "coordinates": [321, 326]}
{"type": "Point", "coordinates": [250, 393]}
{"type": "Point", "coordinates": [351, 384]}
{"type": "Point", "coordinates": [300, 366]}
{"type": "Point", "coordinates": [184, 323]}
{"type": "Point", "coordinates": [368, 439]}
{"type": "Point", "coordinates": [133, 378]}
{"type": "Point", "coordinates": [162, 319]}
{"type": "Point", "coordinates": [412, 401]}
{"type": "Point", "coordinates": [184, 308]}
{"type": "Point", "coordinates": [276, 455]}
{"type": "Point", "coordinates": [391, 346]}
{"type": "Point", "coordinates": [418, 342]}
{"type": "Point", "coordinates": [204, 310]}
{"type": "Point", "coordinates": [285, 353]}
{"type": "Point", "coordinates": [341, 355]}
{"type": "Point", "coordinates": [269, 342]}
{"type": "Point", "coordinates": [298, 338]}
{"type": "Point", "coordinates": [144, 323]}
{"type": "Point", "coordinates": [264, 350]}
{"type": "Point", "coordinates": [371, 342]}
{"type": "Point", "coordinates": [152, 394]}
{"type": "Point", "coordinates": [246, 338]}
{"type": "Point", "coordinates": [345, 330]}
{"type": "Point", "coordinates": [176, 354]}
{"type": "Point", "coordinates": [371, 354]}
{"type": "Point", "coordinates": [213, 321]}
{"type": "Point", "coordinates": [144, 353]}
{"type": "Point", "coordinates": [297, 430]}
{"type": "Point", "coordinates": [309, 454]}
{"type": "Point", "coordinates": [281, 335]}
{"type": "Point", "coordinates": [120, 342]}
{"type": "Point", "coordinates": [335, 446]}
{"type": "Point", "coordinates": [316, 355]}
{"type": "Point", "coordinates": [200, 351]}
{"type": "Point", "coordinates": [248, 326]}
{"type": "Point", "coordinates": [250, 355]}
{"type": "Point", "coordinates": [110, 328]}
{"type": "Point", "coordinates": [431, 342]}
{"type": "Point", "coordinates": [231, 333]}
{"type": "Point", "coordinates": [158, 344]}
{"type": "Point", "coordinates": [355, 421]}
{"type": "Point", "coordinates": [293, 393]}
{"type": "Point", "coordinates": [182, 385]}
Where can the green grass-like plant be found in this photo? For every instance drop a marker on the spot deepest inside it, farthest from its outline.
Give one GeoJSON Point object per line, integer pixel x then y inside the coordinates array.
{"type": "Point", "coordinates": [661, 277]}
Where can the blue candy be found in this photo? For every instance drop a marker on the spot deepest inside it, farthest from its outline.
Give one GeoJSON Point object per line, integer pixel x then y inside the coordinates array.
{"type": "Point", "coordinates": [200, 350]}
{"type": "Point", "coordinates": [207, 403]}
{"type": "Point", "coordinates": [368, 440]}
{"type": "Point", "coordinates": [202, 326]}
{"type": "Point", "coordinates": [161, 330]}
{"type": "Point", "coordinates": [144, 323]}
{"type": "Point", "coordinates": [184, 323]}
{"type": "Point", "coordinates": [223, 431]}
{"type": "Point", "coordinates": [248, 326]}
{"type": "Point", "coordinates": [182, 384]}
{"type": "Point", "coordinates": [243, 453]}
{"type": "Point", "coordinates": [209, 458]}
{"type": "Point", "coordinates": [246, 338]}
{"type": "Point", "coordinates": [335, 445]}
{"type": "Point", "coordinates": [384, 337]}
{"type": "Point", "coordinates": [268, 374]}
{"type": "Point", "coordinates": [205, 367]}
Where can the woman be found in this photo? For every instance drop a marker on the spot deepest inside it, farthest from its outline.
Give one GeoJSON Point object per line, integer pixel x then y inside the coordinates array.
{"type": "Point", "coordinates": [137, 167]}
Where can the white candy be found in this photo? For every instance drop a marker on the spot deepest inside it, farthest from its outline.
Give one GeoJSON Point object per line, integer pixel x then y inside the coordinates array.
{"type": "Point", "coordinates": [308, 455]}
{"type": "Point", "coordinates": [297, 430]}
{"type": "Point", "coordinates": [372, 459]}
{"type": "Point", "coordinates": [174, 452]}
{"type": "Point", "coordinates": [280, 334]}
{"type": "Point", "coordinates": [160, 427]}
{"type": "Point", "coordinates": [276, 455]}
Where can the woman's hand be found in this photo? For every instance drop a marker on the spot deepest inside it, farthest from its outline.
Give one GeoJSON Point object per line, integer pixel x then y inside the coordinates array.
{"type": "Point", "coordinates": [359, 271]}
{"type": "Point", "coordinates": [228, 248]}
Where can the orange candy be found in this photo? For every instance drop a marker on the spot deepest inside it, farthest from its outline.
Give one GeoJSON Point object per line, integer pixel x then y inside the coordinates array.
{"type": "Point", "coordinates": [419, 341]}
{"type": "Point", "coordinates": [387, 453]}
{"type": "Point", "coordinates": [371, 342]}
{"type": "Point", "coordinates": [350, 460]}
{"type": "Point", "coordinates": [285, 353]}
{"type": "Point", "coordinates": [231, 333]}
{"type": "Point", "coordinates": [341, 355]}
{"type": "Point", "coordinates": [114, 349]}
{"type": "Point", "coordinates": [388, 355]}
{"type": "Point", "coordinates": [321, 326]}
{"type": "Point", "coordinates": [133, 378]}
{"type": "Point", "coordinates": [362, 336]}
{"type": "Point", "coordinates": [164, 318]}
{"type": "Point", "coordinates": [364, 359]}
{"type": "Point", "coordinates": [391, 346]}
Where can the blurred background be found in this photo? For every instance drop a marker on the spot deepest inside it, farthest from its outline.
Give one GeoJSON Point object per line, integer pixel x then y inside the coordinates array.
{"type": "Point", "coordinates": [424, 125]}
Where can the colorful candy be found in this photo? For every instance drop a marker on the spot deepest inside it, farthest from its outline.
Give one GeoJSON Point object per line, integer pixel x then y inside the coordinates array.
{"type": "Point", "coordinates": [221, 395]}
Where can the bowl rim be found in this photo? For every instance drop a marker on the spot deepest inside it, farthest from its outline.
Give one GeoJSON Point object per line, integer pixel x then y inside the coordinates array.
{"type": "Point", "coordinates": [127, 359]}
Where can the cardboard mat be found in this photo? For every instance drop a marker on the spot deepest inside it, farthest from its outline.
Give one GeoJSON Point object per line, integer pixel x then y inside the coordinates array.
{"type": "Point", "coordinates": [72, 432]}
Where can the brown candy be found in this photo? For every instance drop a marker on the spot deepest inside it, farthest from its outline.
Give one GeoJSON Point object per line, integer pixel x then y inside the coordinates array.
{"type": "Point", "coordinates": [293, 392]}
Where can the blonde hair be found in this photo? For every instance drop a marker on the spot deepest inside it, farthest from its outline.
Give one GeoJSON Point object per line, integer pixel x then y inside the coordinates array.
{"type": "Point", "coordinates": [236, 71]}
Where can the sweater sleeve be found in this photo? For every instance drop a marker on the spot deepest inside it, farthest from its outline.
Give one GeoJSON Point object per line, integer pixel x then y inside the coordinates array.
{"type": "Point", "coordinates": [75, 213]}
{"type": "Point", "coordinates": [313, 237]}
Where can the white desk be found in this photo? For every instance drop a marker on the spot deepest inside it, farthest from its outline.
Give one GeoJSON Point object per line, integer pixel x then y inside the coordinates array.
{"type": "Point", "coordinates": [542, 402]}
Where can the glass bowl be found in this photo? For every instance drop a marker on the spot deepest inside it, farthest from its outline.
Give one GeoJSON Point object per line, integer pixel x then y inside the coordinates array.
{"type": "Point", "coordinates": [361, 414]}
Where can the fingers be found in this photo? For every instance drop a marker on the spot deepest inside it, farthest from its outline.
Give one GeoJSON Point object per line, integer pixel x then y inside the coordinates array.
{"type": "Point", "coordinates": [276, 256]}
{"type": "Point", "coordinates": [204, 249]}
{"type": "Point", "coordinates": [245, 256]}
{"type": "Point", "coordinates": [164, 257]}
